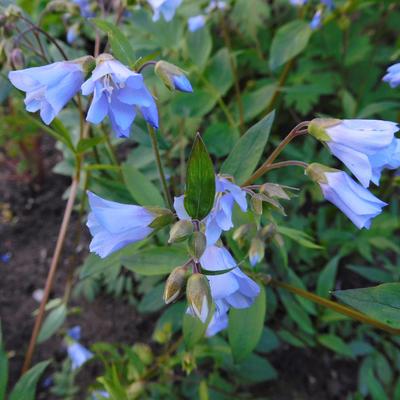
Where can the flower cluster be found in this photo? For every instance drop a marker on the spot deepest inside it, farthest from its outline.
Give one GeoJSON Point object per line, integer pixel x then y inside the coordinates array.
{"type": "Point", "coordinates": [116, 91]}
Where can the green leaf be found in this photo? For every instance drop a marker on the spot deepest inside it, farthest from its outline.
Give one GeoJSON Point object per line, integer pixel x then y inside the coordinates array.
{"type": "Point", "coordinates": [88, 143]}
{"type": "Point", "coordinates": [153, 300]}
{"type": "Point", "coordinates": [199, 45]}
{"type": "Point", "coordinates": [336, 344]}
{"type": "Point", "coordinates": [52, 323]}
{"type": "Point", "coordinates": [193, 330]}
{"type": "Point", "coordinates": [246, 327]}
{"type": "Point", "coordinates": [379, 302]}
{"type": "Point", "coordinates": [25, 388]}
{"type": "Point", "coordinates": [376, 275]}
{"type": "Point", "coordinates": [289, 41]}
{"type": "Point", "coordinates": [140, 187]}
{"type": "Point", "coordinates": [120, 45]}
{"type": "Point", "coordinates": [255, 369]}
{"type": "Point", "coordinates": [155, 260]}
{"type": "Point", "coordinates": [326, 279]}
{"type": "Point", "coordinates": [244, 157]}
{"type": "Point", "coordinates": [219, 72]}
{"type": "Point", "coordinates": [299, 236]}
{"type": "Point", "coordinates": [200, 181]}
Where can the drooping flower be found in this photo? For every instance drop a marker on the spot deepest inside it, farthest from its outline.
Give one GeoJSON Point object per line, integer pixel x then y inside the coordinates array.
{"type": "Point", "coordinates": [50, 87]}
{"type": "Point", "coordinates": [392, 76]}
{"type": "Point", "coordinates": [220, 217]}
{"type": "Point", "coordinates": [215, 5]}
{"type": "Point", "coordinates": [316, 20]}
{"type": "Point", "coordinates": [74, 333]}
{"type": "Point", "coordinates": [173, 77]}
{"type": "Point", "coordinates": [78, 354]}
{"type": "Point", "coordinates": [85, 8]}
{"type": "Point", "coordinates": [197, 22]}
{"type": "Point", "coordinates": [118, 92]}
{"type": "Point", "coordinates": [114, 225]}
{"type": "Point", "coordinates": [72, 33]}
{"type": "Point", "coordinates": [230, 289]}
{"type": "Point", "coordinates": [166, 8]}
{"type": "Point", "coordinates": [256, 251]}
{"type": "Point", "coordinates": [364, 146]}
{"type": "Point", "coordinates": [356, 202]}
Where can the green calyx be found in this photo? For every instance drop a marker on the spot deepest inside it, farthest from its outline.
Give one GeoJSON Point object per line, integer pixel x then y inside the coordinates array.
{"type": "Point", "coordinates": [318, 126]}
{"type": "Point", "coordinates": [163, 217]}
{"type": "Point", "coordinates": [166, 71]}
{"type": "Point", "coordinates": [317, 172]}
{"type": "Point", "coordinates": [88, 63]}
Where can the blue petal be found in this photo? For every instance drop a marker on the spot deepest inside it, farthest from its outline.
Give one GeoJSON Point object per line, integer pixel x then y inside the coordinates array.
{"type": "Point", "coordinates": [182, 83]}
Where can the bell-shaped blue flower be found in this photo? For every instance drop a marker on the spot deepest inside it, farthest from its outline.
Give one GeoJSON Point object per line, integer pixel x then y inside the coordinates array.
{"type": "Point", "coordinates": [166, 8]}
{"type": "Point", "coordinates": [49, 88]}
{"type": "Point", "coordinates": [78, 354]}
{"type": "Point", "coordinates": [356, 202]}
{"type": "Point", "coordinates": [85, 9]}
{"type": "Point", "coordinates": [118, 92]}
{"type": "Point", "coordinates": [114, 225]}
{"type": "Point", "coordinates": [74, 332]}
{"type": "Point", "coordinates": [220, 217]}
{"type": "Point", "coordinates": [231, 289]}
{"type": "Point", "coordinates": [392, 76]}
{"type": "Point", "coordinates": [100, 395]}
{"type": "Point", "coordinates": [316, 21]}
{"type": "Point", "coordinates": [364, 146]}
{"type": "Point", "coordinates": [197, 22]}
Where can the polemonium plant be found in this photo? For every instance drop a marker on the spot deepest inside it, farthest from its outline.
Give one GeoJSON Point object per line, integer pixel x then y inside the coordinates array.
{"type": "Point", "coordinates": [364, 146]}
{"type": "Point", "coordinates": [119, 93]}
{"type": "Point", "coordinates": [356, 202]}
{"type": "Point", "coordinates": [166, 8]}
{"type": "Point", "coordinates": [49, 88]}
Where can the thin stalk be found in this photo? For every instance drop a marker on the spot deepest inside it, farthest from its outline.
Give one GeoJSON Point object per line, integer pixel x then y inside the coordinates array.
{"type": "Point", "coordinates": [160, 168]}
{"type": "Point", "coordinates": [145, 65]}
{"type": "Point", "coordinates": [298, 130]}
{"type": "Point", "coordinates": [283, 164]}
{"type": "Point", "coordinates": [349, 312]}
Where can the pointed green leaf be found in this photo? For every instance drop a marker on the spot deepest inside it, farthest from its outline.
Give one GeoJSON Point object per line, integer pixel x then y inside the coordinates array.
{"type": "Point", "coordinates": [193, 330]}
{"type": "Point", "coordinates": [336, 344]}
{"type": "Point", "coordinates": [289, 41]}
{"type": "Point", "coordinates": [120, 44]}
{"type": "Point", "coordinates": [200, 181]}
{"type": "Point", "coordinates": [199, 45]}
{"type": "Point", "coordinates": [52, 323]}
{"type": "Point", "coordinates": [243, 159]}
{"type": "Point", "coordinates": [380, 302]}
{"type": "Point", "coordinates": [25, 388]}
{"type": "Point", "coordinates": [246, 326]}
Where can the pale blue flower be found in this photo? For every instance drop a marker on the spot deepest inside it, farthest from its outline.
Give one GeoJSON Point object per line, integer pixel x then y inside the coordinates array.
{"type": "Point", "coordinates": [316, 20]}
{"type": "Point", "coordinates": [114, 225]}
{"type": "Point", "coordinates": [182, 83]}
{"type": "Point", "coordinates": [48, 88]}
{"type": "Point", "coordinates": [78, 354]}
{"type": "Point", "coordinates": [118, 92]}
{"type": "Point", "coordinates": [197, 22]}
{"type": "Point", "coordinates": [84, 7]}
{"type": "Point", "coordinates": [74, 333]}
{"type": "Point", "coordinates": [392, 76]}
{"type": "Point", "coordinates": [231, 289]}
{"type": "Point", "coordinates": [100, 395]}
{"type": "Point", "coordinates": [72, 33]}
{"type": "Point", "coordinates": [356, 202]}
{"type": "Point", "coordinates": [328, 3]}
{"type": "Point", "coordinates": [365, 147]}
{"type": "Point", "coordinates": [298, 3]}
{"type": "Point", "coordinates": [220, 217]}
{"type": "Point", "coordinates": [215, 5]}
{"type": "Point", "coordinates": [166, 8]}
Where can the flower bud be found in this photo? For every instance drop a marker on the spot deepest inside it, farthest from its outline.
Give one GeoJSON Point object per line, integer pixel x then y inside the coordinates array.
{"type": "Point", "coordinates": [173, 77]}
{"type": "Point", "coordinates": [269, 231]}
{"type": "Point", "coordinates": [199, 296]}
{"type": "Point", "coordinates": [17, 59]}
{"type": "Point", "coordinates": [188, 362]}
{"type": "Point", "coordinates": [257, 204]}
{"type": "Point", "coordinates": [163, 217]}
{"type": "Point", "coordinates": [256, 251]}
{"type": "Point", "coordinates": [144, 352]}
{"type": "Point", "coordinates": [317, 171]}
{"type": "Point", "coordinates": [240, 233]}
{"type": "Point", "coordinates": [317, 127]}
{"type": "Point", "coordinates": [197, 244]}
{"type": "Point", "coordinates": [180, 231]}
{"type": "Point", "coordinates": [174, 284]}
{"type": "Point", "coordinates": [135, 390]}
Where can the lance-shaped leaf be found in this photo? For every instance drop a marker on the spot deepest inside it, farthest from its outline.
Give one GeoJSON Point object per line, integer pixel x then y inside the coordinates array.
{"type": "Point", "coordinates": [200, 181]}
{"type": "Point", "coordinates": [380, 302]}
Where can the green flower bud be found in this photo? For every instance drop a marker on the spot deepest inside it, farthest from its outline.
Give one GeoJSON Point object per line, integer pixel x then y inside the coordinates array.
{"type": "Point", "coordinates": [317, 127]}
{"type": "Point", "coordinates": [173, 77]}
{"type": "Point", "coordinates": [256, 251]}
{"type": "Point", "coordinates": [197, 244]}
{"type": "Point", "coordinates": [198, 294]}
{"type": "Point", "coordinates": [180, 231]}
{"type": "Point", "coordinates": [144, 352]}
{"type": "Point", "coordinates": [17, 59]}
{"type": "Point", "coordinates": [257, 204]}
{"type": "Point", "coordinates": [240, 233]}
{"type": "Point", "coordinates": [317, 171]}
{"type": "Point", "coordinates": [174, 284]}
{"type": "Point", "coordinates": [163, 217]}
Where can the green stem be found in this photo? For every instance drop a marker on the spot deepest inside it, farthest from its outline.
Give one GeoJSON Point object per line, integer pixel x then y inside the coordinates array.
{"type": "Point", "coordinates": [349, 312]}
{"type": "Point", "coordinates": [298, 130]}
{"type": "Point", "coordinates": [160, 169]}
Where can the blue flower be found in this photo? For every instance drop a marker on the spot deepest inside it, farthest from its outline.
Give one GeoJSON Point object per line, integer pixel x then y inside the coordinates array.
{"type": "Point", "coordinates": [316, 20]}
{"type": "Point", "coordinates": [392, 76]}
{"type": "Point", "coordinates": [197, 22]}
{"type": "Point", "coordinates": [182, 83]}
{"type": "Point", "coordinates": [84, 7]}
{"type": "Point", "coordinates": [72, 33]}
{"type": "Point", "coordinates": [100, 394]}
{"type": "Point", "coordinates": [364, 146]}
{"type": "Point", "coordinates": [74, 333]}
{"type": "Point", "coordinates": [114, 225]}
{"type": "Point", "coordinates": [215, 5]}
{"type": "Point", "coordinates": [118, 92]}
{"type": "Point", "coordinates": [165, 7]}
{"type": "Point", "coordinates": [328, 3]}
{"type": "Point", "coordinates": [298, 2]}
{"type": "Point", "coordinates": [78, 354]}
{"type": "Point", "coordinates": [220, 217]}
{"type": "Point", "coordinates": [356, 202]}
{"type": "Point", "coordinates": [48, 88]}
{"type": "Point", "coordinates": [231, 289]}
